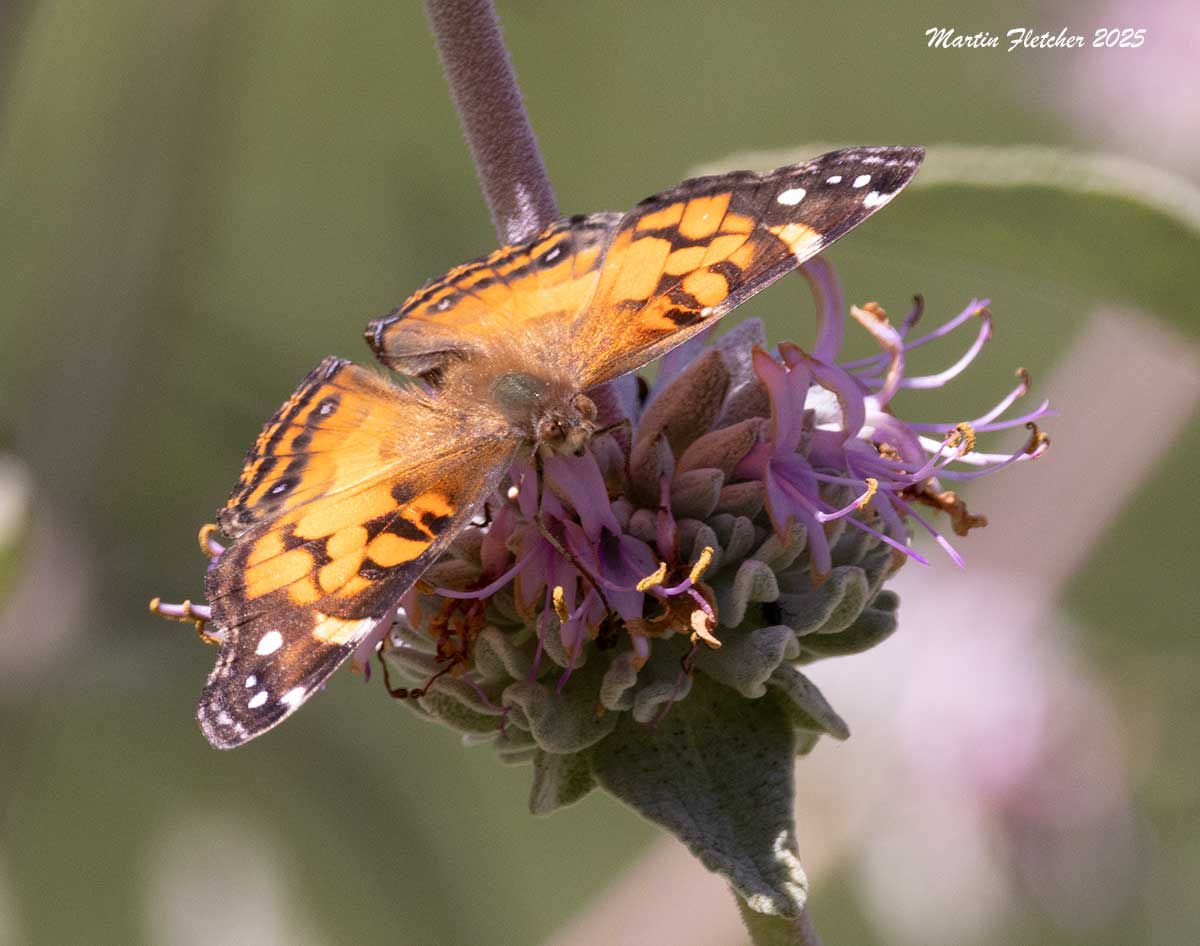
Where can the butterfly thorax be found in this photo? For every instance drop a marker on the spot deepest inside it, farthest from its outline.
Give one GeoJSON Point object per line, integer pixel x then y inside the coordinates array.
{"type": "Point", "coordinates": [547, 413]}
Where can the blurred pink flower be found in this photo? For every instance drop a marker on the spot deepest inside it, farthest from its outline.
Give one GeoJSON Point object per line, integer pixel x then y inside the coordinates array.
{"type": "Point", "coordinates": [1142, 100]}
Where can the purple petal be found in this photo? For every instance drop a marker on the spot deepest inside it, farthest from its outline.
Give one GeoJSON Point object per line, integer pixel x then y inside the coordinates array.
{"type": "Point", "coordinates": [787, 390]}
{"type": "Point", "coordinates": [493, 551]}
{"type": "Point", "coordinates": [848, 392]}
{"type": "Point", "coordinates": [580, 482]}
{"type": "Point", "coordinates": [827, 292]}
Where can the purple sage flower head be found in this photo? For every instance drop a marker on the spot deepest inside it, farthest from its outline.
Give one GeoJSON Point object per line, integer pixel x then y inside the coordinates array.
{"type": "Point", "coordinates": [733, 521]}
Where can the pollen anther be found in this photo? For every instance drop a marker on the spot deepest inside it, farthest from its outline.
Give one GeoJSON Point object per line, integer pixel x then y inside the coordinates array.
{"type": "Point", "coordinates": [208, 546]}
{"type": "Point", "coordinates": [560, 604]}
{"type": "Point", "coordinates": [1039, 442]}
{"type": "Point", "coordinates": [872, 489]}
{"type": "Point", "coordinates": [655, 578]}
{"type": "Point", "coordinates": [702, 563]}
{"type": "Point", "coordinates": [963, 436]}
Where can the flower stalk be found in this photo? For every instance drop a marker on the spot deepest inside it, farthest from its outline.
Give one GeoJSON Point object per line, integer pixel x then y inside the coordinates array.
{"type": "Point", "coordinates": [484, 88]}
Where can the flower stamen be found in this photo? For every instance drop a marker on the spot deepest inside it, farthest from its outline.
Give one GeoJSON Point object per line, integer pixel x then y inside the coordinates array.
{"type": "Point", "coordinates": [949, 502]}
{"type": "Point", "coordinates": [703, 620]}
{"type": "Point", "coordinates": [654, 578]}
{"type": "Point", "coordinates": [872, 488]}
{"type": "Point", "coordinates": [702, 563]}
{"type": "Point", "coordinates": [208, 545]}
{"type": "Point", "coordinates": [197, 614]}
{"type": "Point", "coordinates": [858, 503]}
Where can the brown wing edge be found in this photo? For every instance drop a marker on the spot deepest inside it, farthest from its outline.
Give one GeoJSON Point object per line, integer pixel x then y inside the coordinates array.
{"type": "Point", "coordinates": [234, 518]}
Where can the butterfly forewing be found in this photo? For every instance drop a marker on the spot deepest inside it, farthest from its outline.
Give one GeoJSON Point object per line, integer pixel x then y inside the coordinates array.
{"type": "Point", "coordinates": [608, 293]}
{"type": "Point", "coordinates": [682, 259]}
{"type": "Point", "coordinates": [378, 481]}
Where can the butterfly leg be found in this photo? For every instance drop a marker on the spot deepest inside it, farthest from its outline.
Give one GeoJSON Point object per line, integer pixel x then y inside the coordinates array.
{"type": "Point", "coordinates": [407, 693]}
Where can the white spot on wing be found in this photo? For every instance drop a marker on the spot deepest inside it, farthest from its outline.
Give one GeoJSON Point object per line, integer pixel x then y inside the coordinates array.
{"type": "Point", "coordinates": [876, 199]}
{"type": "Point", "coordinates": [251, 681]}
{"type": "Point", "coordinates": [258, 699]}
{"type": "Point", "coordinates": [513, 492]}
{"type": "Point", "coordinates": [862, 180]}
{"type": "Point", "coordinates": [792, 196]}
{"type": "Point", "coordinates": [269, 643]}
{"type": "Point", "coordinates": [293, 697]}
{"type": "Point", "coordinates": [836, 179]}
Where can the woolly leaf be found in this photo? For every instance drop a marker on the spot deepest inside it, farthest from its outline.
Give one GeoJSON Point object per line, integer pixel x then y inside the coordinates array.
{"type": "Point", "coordinates": [716, 772]}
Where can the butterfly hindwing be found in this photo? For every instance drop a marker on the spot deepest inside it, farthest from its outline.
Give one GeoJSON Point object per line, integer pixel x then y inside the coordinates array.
{"type": "Point", "coordinates": [682, 259]}
{"type": "Point", "coordinates": [379, 479]}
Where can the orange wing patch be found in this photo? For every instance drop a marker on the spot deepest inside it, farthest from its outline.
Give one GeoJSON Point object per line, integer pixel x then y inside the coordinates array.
{"type": "Point", "coordinates": [377, 484]}
{"type": "Point", "coordinates": [684, 258]}
{"type": "Point", "coordinates": [703, 215]}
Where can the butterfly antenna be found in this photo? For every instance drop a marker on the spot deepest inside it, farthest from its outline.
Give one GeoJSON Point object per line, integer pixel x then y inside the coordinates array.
{"type": "Point", "coordinates": [624, 424]}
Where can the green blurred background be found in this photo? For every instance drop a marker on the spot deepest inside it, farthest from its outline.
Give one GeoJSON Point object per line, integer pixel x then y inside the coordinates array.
{"type": "Point", "coordinates": [200, 199]}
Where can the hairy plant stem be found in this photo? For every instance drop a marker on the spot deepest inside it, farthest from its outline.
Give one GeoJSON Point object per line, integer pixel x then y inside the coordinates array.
{"type": "Point", "coordinates": [488, 99]}
{"type": "Point", "coordinates": [521, 199]}
{"type": "Point", "coordinates": [766, 930]}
